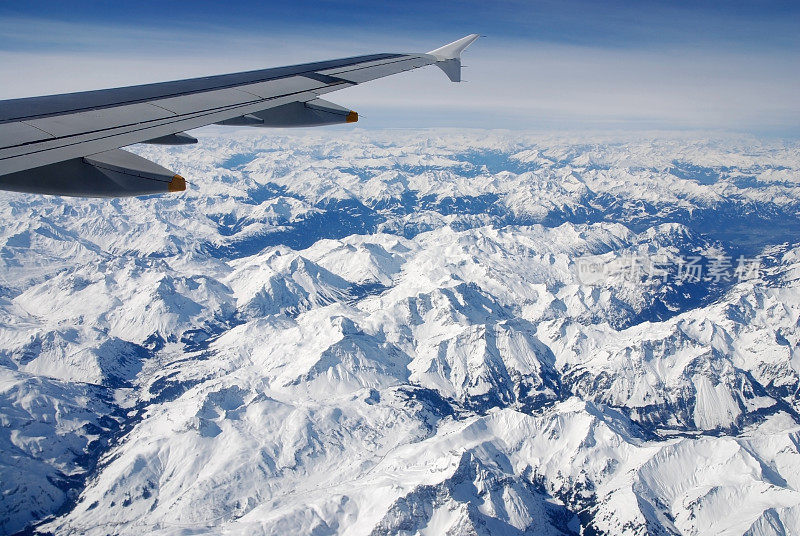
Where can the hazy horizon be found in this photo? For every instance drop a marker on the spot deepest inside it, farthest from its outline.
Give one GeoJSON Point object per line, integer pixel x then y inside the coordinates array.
{"type": "Point", "coordinates": [544, 65]}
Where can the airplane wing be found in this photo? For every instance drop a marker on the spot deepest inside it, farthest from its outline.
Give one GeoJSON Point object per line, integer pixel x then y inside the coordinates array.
{"type": "Point", "coordinates": [70, 144]}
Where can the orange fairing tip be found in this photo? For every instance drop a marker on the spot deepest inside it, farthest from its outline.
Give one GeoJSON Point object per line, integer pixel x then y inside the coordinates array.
{"type": "Point", "coordinates": [352, 117]}
{"type": "Point", "coordinates": [177, 184]}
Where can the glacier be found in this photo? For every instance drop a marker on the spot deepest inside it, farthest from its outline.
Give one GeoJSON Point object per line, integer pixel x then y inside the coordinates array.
{"type": "Point", "coordinates": [387, 332]}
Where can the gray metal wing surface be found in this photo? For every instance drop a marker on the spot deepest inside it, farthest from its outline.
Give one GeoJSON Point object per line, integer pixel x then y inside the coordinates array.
{"type": "Point", "coordinates": [70, 144]}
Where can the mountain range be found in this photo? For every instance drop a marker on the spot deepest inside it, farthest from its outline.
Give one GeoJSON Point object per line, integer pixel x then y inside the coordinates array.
{"type": "Point", "coordinates": [410, 332]}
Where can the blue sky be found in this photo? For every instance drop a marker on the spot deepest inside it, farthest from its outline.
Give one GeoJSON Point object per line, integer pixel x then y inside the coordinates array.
{"type": "Point", "coordinates": [544, 64]}
{"type": "Point", "coordinates": [609, 23]}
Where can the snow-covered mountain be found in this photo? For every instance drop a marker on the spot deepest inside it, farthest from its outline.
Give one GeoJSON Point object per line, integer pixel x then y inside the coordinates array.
{"type": "Point", "coordinates": [410, 333]}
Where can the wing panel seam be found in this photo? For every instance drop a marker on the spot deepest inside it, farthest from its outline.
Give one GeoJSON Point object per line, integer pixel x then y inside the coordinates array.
{"type": "Point", "coordinates": [37, 128]}
{"type": "Point", "coordinates": [161, 108]}
{"type": "Point", "coordinates": [167, 121]}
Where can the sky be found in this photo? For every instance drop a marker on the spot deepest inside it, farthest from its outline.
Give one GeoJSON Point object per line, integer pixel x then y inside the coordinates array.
{"type": "Point", "coordinates": [543, 65]}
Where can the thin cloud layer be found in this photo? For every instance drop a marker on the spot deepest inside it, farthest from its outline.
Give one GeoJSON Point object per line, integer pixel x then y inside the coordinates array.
{"type": "Point", "coordinates": [512, 83]}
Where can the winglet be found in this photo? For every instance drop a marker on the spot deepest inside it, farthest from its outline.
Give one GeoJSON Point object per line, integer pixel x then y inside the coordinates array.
{"type": "Point", "coordinates": [448, 57]}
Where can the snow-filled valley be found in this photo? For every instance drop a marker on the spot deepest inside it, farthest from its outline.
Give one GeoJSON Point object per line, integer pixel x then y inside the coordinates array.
{"type": "Point", "coordinates": [394, 332]}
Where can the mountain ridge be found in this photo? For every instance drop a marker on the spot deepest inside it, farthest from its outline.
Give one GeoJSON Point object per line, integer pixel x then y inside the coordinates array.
{"type": "Point", "coordinates": [398, 333]}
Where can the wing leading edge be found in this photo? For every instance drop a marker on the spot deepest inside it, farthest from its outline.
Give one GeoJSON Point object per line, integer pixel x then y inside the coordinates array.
{"type": "Point", "coordinates": [62, 144]}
